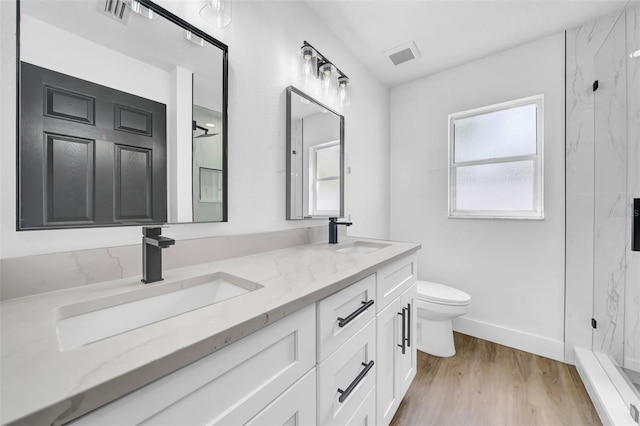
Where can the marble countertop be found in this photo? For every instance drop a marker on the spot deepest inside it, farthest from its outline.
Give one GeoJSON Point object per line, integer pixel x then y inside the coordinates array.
{"type": "Point", "coordinates": [42, 385]}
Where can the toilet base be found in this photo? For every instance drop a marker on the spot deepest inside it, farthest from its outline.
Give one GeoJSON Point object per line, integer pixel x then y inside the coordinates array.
{"type": "Point", "coordinates": [435, 337]}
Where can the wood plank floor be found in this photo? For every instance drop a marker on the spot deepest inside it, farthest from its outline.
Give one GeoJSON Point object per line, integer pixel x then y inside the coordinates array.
{"type": "Point", "coordinates": [490, 384]}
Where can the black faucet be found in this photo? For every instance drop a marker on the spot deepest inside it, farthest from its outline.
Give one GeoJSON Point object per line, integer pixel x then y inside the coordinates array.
{"type": "Point", "coordinates": [333, 229]}
{"type": "Point", "coordinates": [152, 242]}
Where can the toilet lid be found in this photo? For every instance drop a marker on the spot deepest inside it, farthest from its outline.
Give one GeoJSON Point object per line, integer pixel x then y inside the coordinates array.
{"type": "Point", "coordinates": [438, 293]}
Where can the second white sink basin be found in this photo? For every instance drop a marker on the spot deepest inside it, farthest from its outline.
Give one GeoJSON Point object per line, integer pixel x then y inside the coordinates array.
{"type": "Point", "coordinates": [360, 247]}
{"type": "Point", "coordinates": [90, 321]}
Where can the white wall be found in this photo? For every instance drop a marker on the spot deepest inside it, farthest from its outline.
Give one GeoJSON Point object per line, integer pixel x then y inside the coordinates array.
{"type": "Point", "coordinates": [264, 40]}
{"type": "Point", "coordinates": [513, 269]}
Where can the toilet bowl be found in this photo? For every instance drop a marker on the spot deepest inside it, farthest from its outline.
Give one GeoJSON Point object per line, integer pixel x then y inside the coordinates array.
{"type": "Point", "coordinates": [437, 306]}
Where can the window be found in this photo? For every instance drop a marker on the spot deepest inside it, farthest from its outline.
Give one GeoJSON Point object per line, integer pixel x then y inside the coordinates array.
{"type": "Point", "coordinates": [324, 169]}
{"type": "Point", "coordinates": [495, 161]}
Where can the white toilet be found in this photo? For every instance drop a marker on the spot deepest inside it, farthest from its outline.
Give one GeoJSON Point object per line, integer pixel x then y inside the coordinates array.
{"type": "Point", "coordinates": [437, 305]}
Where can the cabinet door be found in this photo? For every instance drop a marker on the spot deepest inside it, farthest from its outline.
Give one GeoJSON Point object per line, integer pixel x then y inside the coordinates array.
{"type": "Point", "coordinates": [296, 406]}
{"type": "Point", "coordinates": [407, 365]}
{"type": "Point", "coordinates": [389, 335]}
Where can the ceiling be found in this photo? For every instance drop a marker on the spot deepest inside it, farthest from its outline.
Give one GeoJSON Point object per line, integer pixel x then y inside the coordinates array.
{"type": "Point", "coordinates": [447, 32]}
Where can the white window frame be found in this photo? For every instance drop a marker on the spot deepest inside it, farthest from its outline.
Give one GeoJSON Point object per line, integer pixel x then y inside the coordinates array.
{"type": "Point", "coordinates": [313, 179]}
{"type": "Point", "coordinates": [538, 203]}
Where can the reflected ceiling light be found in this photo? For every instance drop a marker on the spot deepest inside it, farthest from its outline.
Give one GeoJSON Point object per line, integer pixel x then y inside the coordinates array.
{"type": "Point", "coordinates": [209, 124]}
{"type": "Point", "coordinates": [635, 54]}
{"type": "Point", "coordinates": [217, 12]}
{"type": "Point", "coordinates": [194, 38]}
{"type": "Point", "coordinates": [140, 9]}
{"type": "Point", "coordinates": [314, 66]}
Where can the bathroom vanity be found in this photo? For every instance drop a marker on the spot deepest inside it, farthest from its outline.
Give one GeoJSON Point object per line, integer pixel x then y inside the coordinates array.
{"type": "Point", "coordinates": [317, 333]}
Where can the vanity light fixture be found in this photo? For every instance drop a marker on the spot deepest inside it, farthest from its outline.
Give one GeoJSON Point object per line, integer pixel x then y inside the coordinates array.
{"type": "Point", "coordinates": [334, 84]}
{"type": "Point", "coordinates": [217, 12]}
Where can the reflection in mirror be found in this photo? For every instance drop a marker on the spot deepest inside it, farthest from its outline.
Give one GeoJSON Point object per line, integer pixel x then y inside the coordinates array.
{"type": "Point", "coordinates": [122, 116]}
{"type": "Point", "coordinates": [315, 158]}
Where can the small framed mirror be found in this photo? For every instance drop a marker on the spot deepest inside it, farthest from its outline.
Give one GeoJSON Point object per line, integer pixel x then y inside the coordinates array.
{"type": "Point", "coordinates": [122, 116]}
{"type": "Point", "coordinates": [315, 158]}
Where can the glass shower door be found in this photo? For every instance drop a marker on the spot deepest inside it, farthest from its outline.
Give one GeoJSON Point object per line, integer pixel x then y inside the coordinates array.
{"type": "Point", "coordinates": [616, 269]}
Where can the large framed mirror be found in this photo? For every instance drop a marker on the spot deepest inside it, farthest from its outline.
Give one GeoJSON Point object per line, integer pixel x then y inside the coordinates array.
{"type": "Point", "coordinates": [315, 158]}
{"type": "Point", "coordinates": [122, 116]}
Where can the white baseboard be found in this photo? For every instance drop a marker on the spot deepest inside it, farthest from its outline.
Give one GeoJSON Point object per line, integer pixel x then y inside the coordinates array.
{"type": "Point", "coordinates": [517, 339]}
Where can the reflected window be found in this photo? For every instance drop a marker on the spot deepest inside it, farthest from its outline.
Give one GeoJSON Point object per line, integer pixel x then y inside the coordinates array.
{"type": "Point", "coordinates": [495, 161]}
{"type": "Point", "coordinates": [324, 165]}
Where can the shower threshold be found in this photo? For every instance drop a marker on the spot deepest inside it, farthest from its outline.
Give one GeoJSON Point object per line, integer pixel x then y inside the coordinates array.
{"type": "Point", "coordinates": [606, 387]}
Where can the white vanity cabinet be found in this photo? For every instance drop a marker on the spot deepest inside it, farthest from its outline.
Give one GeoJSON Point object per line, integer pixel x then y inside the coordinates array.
{"type": "Point", "coordinates": [230, 386]}
{"type": "Point", "coordinates": [396, 328]}
{"type": "Point", "coordinates": [347, 359]}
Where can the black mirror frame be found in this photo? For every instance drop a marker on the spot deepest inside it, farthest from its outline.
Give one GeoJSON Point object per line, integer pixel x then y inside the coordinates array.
{"type": "Point", "coordinates": [225, 102]}
{"type": "Point", "coordinates": [290, 90]}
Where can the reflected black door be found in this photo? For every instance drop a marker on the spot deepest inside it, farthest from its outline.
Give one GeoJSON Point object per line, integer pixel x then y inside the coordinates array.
{"type": "Point", "coordinates": [90, 155]}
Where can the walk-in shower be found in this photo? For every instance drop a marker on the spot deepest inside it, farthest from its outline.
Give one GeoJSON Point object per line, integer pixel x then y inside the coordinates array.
{"type": "Point", "coordinates": [610, 367]}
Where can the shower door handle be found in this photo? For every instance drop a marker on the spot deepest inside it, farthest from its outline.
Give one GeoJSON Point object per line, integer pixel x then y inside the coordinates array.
{"type": "Point", "coordinates": [635, 233]}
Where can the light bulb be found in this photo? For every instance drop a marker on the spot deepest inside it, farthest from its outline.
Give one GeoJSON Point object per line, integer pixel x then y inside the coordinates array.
{"type": "Point", "coordinates": [217, 12]}
{"type": "Point", "coordinates": [308, 64]}
{"type": "Point", "coordinates": [344, 90]}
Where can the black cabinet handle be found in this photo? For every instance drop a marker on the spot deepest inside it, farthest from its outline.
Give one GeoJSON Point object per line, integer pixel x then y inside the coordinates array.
{"type": "Point", "coordinates": [635, 237]}
{"type": "Point", "coordinates": [409, 325]}
{"type": "Point", "coordinates": [344, 321]}
{"type": "Point", "coordinates": [345, 393]}
{"type": "Point", "coordinates": [404, 330]}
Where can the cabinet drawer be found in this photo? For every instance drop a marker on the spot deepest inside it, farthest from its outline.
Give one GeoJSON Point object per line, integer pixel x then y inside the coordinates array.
{"type": "Point", "coordinates": [350, 370]}
{"type": "Point", "coordinates": [229, 386]}
{"type": "Point", "coordinates": [352, 308]}
{"type": "Point", "coordinates": [395, 278]}
{"type": "Point", "coordinates": [296, 406]}
{"type": "Point", "coordinates": [366, 413]}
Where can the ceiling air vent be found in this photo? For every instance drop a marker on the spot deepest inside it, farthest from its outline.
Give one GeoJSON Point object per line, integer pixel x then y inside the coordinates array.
{"type": "Point", "coordinates": [403, 53]}
{"type": "Point", "coordinates": [116, 9]}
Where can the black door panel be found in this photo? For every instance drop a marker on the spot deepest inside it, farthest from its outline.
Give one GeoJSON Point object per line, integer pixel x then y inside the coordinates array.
{"type": "Point", "coordinates": [90, 155]}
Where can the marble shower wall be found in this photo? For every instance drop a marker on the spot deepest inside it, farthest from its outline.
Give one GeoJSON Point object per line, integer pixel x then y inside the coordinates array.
{"type": "Point", "coordinates": [632, 296]}
{"type": "Point", "coordinates": [582, 44]}
{"type": "Point", "coordinates": [602, 170]}
{"type": "Point", "coordinates": [610, 193]}
{"type": "Point", "coordinates": [25, 276]}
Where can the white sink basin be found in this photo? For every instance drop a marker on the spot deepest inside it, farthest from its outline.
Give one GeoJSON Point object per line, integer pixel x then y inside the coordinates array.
{"type": "Point", "coordinates": [93, 320]}
{"type": "Point", "coordinates": [360, 247]}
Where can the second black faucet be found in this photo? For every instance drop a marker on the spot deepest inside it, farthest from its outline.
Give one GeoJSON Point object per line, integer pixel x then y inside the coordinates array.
{"type": "Point", "coordinates": [333, 229]}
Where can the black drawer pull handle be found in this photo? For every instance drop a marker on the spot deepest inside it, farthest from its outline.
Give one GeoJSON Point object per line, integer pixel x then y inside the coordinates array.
{"type": "Point", "coordinates": [345, 393]}
{"type": "Point", "coordinates": [344, 321]}
{"type": "Point", "coordinates": [409, 325]}
{"type": "Point", "coordinates": [404, 331]}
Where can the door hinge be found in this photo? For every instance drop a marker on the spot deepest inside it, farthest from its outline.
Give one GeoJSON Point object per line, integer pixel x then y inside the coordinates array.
{"type": "Point", "coordinates": [595, 85]}
{"type": "Point", "coordinates": [594, 323]}
{"type": "Point", "coordinates": [635, 414]}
